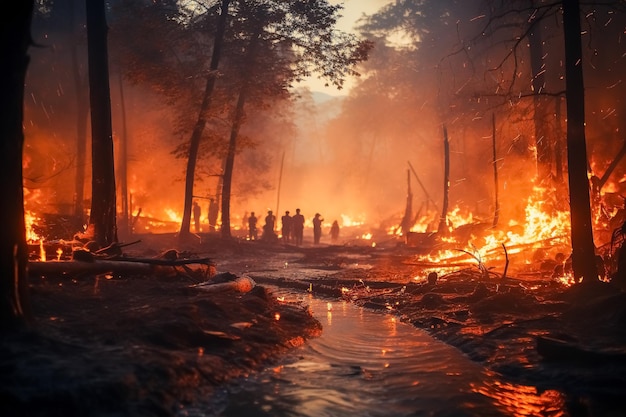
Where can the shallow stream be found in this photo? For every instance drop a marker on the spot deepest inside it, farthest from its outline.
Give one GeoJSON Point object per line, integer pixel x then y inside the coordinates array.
{"type": "Point", "coordinates": [370, 364]}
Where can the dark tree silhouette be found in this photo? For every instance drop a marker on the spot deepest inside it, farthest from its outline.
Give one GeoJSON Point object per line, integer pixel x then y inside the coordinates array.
{"type": "Point", "coordinates": [196, 136]}
{"type": "Point", "coordinates": [103, 208]}
{"type": "Point", "coordinates": [583, 249]}
{"type": "Point", "coordinates": [82, 107]}
{"type": "Point", "coordinates": [15, 39]}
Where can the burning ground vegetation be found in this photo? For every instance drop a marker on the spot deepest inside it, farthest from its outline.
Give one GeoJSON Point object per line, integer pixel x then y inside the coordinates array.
{"type": "Point", "coordinates": [143, 326]}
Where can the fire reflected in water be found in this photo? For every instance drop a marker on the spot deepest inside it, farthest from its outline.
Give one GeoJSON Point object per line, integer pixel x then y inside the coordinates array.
{"type": "Point", "coordinates": [521, 400]}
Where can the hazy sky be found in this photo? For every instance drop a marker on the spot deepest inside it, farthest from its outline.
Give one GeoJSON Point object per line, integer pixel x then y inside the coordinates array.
{"type": "Point", "coordinates": [352, 11]}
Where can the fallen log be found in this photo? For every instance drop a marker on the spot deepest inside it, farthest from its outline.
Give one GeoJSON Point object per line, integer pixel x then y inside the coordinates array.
{"type": "Point", "coordinates": [95, 267]}
{"type": "Point", "coordinates": [121, 266]}
{"type": "Point", "coordinates": [239, 284]}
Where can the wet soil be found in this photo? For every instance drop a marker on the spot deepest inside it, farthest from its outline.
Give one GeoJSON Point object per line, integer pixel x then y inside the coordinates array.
{"type": "Point", "coordinates": [129, 345]}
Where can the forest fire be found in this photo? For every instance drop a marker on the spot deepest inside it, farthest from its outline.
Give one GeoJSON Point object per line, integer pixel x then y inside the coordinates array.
{"type": "Point", "coordinates": [543, 226]}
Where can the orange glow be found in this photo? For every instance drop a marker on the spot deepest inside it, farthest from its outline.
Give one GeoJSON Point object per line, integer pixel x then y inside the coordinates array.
{"type": "Point", "coordinates": [30, 219]}
{"type": "Point", "coordinates": [542, 226]}
{"type": "Point", "coordinates": [347, 221]}
{"type": "Point", "coordinates": [42, 252]}
{"type": "Point", "coordinates": [520, 400]}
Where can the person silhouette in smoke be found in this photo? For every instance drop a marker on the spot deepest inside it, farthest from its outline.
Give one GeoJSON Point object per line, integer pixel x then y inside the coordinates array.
{"type": "Point", "coordinates": [268, 227]}
{"type": "Point", "coordinates": [334, 232]}
{"type": "Point", "coordinates": [196, 216]}
{"type": "Point", "coordinates": [317, 228]}
{"type": "Point", "coordinates": [286, 221]}
{"type": "Point", "coordinates": [213, 213]}
{"type": "Point", "coordinates": [297, 223]}
{"type": "Point", "coordinates": [252, 232]}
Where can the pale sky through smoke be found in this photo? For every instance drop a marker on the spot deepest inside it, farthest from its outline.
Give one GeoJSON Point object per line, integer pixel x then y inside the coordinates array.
{"type": "Point", "coordinates": [352, 11]}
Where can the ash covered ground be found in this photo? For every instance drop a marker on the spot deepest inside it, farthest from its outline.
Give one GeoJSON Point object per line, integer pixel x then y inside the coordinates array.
{"type": "Point", "coordinates": [146, 345]}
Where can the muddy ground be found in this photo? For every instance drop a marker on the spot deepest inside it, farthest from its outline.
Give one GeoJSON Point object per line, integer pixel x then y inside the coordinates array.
{"type": "Point", "coordinates": [147, 344]}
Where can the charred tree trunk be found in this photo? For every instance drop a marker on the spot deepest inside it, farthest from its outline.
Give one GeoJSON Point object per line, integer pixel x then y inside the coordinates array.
{"type": "Point", "coordinates": [496, 213]}
{"type": "Point", "coordinates": [558, 144]}
{"type": "Point", "coordinates": [230, 163]}
{"type": "Point", "coordinates": [443, 220]}
{"type": "Point", "coordinates": [406, 223]}
{"type": "Point", "coordinates": [123, 162]}
{"type": "Point", "coordinates": [542, 144]}
{"type": "Point", "coordinates": [280, 181]}
{"type": "Point", "coordinates": [196, 136]}
{"type": "Point", "coordinates": [15, 39]}
{"type": "Point", "coordinates": [82, 113]}
{"type": "Point", "coordinates": [234, 132]}
{"type": "Point", "coordinates": [103, 206]}
{"type": "Point", "coordinates": [583, 249]}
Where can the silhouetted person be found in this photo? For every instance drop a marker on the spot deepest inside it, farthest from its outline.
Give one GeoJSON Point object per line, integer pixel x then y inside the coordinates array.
{"type": "Point", "coordinates": [297, 221]}
{"type": "Point", "coordinates": [252, 233]}
{"type": "Point", "coordinates": [334, 232]}
{"type": "Point", "coordinates": [286, 221]}
{"type": "Point", "coordinates": [317, 228]}
{"type": "Point", "coordinates": [213, 212]}
{"type": "Point", "coordinates": [196, 216]}
{"type": "Point", "coordinates": [268, 227]}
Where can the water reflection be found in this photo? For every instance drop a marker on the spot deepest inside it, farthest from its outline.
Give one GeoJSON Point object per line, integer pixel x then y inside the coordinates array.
{"type": "Point", "coordinates": [370, 364]}
{"type": "Point", "coordinates": [520, 400]}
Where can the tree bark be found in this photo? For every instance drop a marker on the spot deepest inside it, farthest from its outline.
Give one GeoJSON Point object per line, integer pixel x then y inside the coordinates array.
{"type": "Point", "coordinates": [196, 136]}
{"type": "Point", "coordinates": [82, 113]}
{"type": "Point", "coordinates": [406, 223]}
{"type": "Point", "coordinates": [496, 212]}
{"type": "Point", "coordinates": [123, 162]}
{"type": "Point", "coordinates": [103, 206]}
{"type": "Point", "coordinates": [15, 39]}
{"type": "Point", "coordinates": [542, 144]}
{"type": "Point", "coordinates": [558, 144]}
{"type": "Point", "coordinates": [583, 249]}
{"type": "Point", "coordinates": [234, 132]}
{"type": "Point", "coordinates": [443, 220]}
{"type": "Point", "coordinates": [230, 163]}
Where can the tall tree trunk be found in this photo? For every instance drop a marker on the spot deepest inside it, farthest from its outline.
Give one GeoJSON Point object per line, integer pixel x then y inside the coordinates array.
{"type": "Point", "coordinates": [15, 39]}
{"type": "Point", "coordinates": [280, 181]}
{"type": "Point", "coordinates": [496, 212]}
{"type": "Point", "coordinates": [443, 220]}
{"type": "Point", "coordinates": [82, 113]}
{"type": "Point", "coordinates": [123, 162]}
{"type": "Point", "coordinates": [230, 163]}
{"type": "Point", "coordinates": [558, 144]}
{"type": "Point", "coordinates": [542, 144]}
{"type": "Point", "coordinates": [196, 136]}
{"type": "Point", "coordinates": [583, 249]}
{"type": "Point", "coordinates": [407, 219]}
{"type": "Point", "coordinates": [234, 131]}
{"type": "Point", "coordinates": [103, 206]}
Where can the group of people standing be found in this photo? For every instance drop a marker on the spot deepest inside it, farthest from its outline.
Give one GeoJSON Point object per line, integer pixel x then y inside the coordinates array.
{"type": "Point", "coordinates": [213, 212]}
{"type": "Point", "coordinates": [292, 227]}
